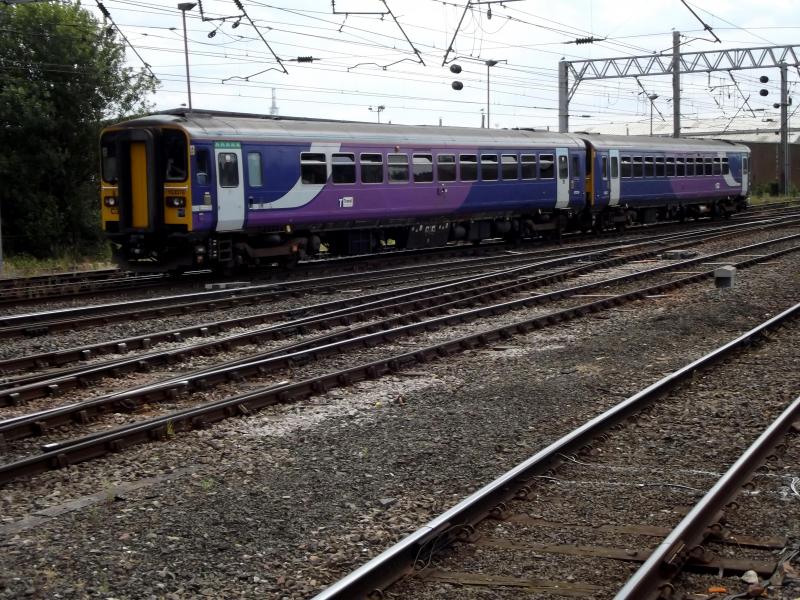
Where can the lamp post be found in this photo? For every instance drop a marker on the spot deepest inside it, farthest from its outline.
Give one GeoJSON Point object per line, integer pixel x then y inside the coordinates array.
{"type": "Point", "coordinates": [489, 65]}
{"type": "Point", "coordinates": [652, 98]}
{"type": "Point", "coordinates": [379, 110]}
{"type": "Point", "coordinates": [183, 7]}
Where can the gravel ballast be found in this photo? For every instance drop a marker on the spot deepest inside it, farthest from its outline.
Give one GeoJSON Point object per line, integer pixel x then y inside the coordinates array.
{"type": "Point", "coordinates": [285, 502]}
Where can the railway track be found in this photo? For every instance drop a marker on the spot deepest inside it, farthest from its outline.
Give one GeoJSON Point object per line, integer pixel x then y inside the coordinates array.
{"type": "Point", "coordinates": [57, 286]}
{"type": "Point", "coordinates": [564, 523]}
{"type": "Point", "coordinates": [414, 316]}
{"type": "Point", "coordinates": [45, 322]}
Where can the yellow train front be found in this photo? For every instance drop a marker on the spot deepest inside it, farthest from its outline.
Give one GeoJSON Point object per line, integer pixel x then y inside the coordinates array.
{"type": "Point", "coordinates": [146, 196]}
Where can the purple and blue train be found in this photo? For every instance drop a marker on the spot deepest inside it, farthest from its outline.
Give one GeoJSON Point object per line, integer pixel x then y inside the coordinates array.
{"type": "Point", "coordinates": [186, 190]}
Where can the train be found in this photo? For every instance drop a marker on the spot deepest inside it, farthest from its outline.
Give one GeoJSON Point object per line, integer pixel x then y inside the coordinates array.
{"type": "Point", "coordinates": [183, 190]}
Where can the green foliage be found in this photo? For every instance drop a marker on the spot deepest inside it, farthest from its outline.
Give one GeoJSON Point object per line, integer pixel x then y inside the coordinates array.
{"type": "Point", "coordinates": [62, 74]}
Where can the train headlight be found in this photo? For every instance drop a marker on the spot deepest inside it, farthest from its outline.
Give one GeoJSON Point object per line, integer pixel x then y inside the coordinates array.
{"type": "Point", "coordinates": [176, 201]}
{"type": "Point", "coordinates": [110, 200]}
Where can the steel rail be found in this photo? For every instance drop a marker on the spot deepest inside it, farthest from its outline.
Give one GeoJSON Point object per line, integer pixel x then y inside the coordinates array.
{"type": "Point", "coordinates": [98, 444]}
{"type": "Point", "coordinates": [665, 562]}
{"type": "Point", "coordinates": [41, 322]}
{"type": "Point", "coordinates": [18, 391]}
{"type": "Point", "coordinates": [82, 353]}
{"type": "Point", "coordinates": [41, 422]}
{"type": "Point", "coordinates": [401, 559]}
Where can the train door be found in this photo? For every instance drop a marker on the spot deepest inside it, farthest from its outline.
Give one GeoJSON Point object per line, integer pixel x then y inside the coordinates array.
{"type": "Point", "coordinates": [230, 186]}
{"type": "Point", "coordinates": [745, 175]}
{"type": "Point", "coordinates": [613, 180]}
{"type": "Point", "coordinates": [562, 178]}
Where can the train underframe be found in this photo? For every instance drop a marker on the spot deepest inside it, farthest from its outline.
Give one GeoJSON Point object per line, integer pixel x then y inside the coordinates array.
{"type": "Point", "coordinates": [180, 251]}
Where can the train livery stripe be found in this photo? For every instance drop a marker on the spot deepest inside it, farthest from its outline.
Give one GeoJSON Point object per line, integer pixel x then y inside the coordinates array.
{"type": "Point", "coordinates": [139, 196]}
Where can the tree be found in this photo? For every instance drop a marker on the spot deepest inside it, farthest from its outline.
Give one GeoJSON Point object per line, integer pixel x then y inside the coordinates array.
{"type": "Point", "coordinates": [62, 75]}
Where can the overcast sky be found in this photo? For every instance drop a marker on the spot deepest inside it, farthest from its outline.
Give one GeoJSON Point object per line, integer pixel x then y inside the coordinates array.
{"type": "Point", "coordinates": [364, 60]}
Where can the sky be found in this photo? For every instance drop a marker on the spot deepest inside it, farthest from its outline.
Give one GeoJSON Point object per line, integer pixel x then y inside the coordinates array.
{"type": "Point", "coordinates": [388, 60]}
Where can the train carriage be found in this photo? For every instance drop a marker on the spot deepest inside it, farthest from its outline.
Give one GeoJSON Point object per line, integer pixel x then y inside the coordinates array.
{"type": "Point", "coordinates": [184, 190]}
{"type": "Point", "coordinates": [645, 179]}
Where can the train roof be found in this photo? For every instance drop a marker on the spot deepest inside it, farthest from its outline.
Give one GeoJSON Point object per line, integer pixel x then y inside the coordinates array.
{"type": "Point", "coordinates": [217, 124]}
{"type": "Point", "coordinates": [660, 144]}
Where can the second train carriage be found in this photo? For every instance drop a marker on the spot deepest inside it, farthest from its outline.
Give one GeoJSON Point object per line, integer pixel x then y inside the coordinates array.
{"type": "Point", "coordinates": [184, 190]}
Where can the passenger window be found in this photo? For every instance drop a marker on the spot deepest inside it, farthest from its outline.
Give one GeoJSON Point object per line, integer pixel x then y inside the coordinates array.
{"type": "Point", "coordinates": [313, 168]}
{"type": "Point", "coordinates": [680, 168]}
{"type": "Point", "coordinates": [372, 168]}
{"type": "Point", "coordinates": [109, 165]}
{"type": "Point", "coordinates": [546, 166]}
{"type": "Point", "coordinates": [446, 167]}
{"type": "Point", "coordinates": [398, 168]}
{"type": "Point", "coordinates": [228, 169]}
{"type": "Point", "coordinates": [745, 165]}
{"type": "Point", "coordinates": [660, 166]}
{"type": "Point", "coordinates": [638, 166]}
{"type": "Point", "coordinates": [649, 166]}
{"type": "Point", "coordinates": [563, 167]}
{"type": "Point", "coordinates": [203, 161]}
{"type": "Point", "coordinates": [510, 166]}
{"type": "Point", "coordinates": [175, 151]}
{"type": "Point", "coordinates": [670, 166]}
{"type": "Point", "coordinates": [254, 168]}
{"type": "Point", "coordinates": [689, 167]}
{"type": "Point", "coordinates": [576, 166]}
{"type": "Point", "coordinates": [709, 168]}
{"type": "Point", "coordinates": [469, 167]}
{"type": "Point", "coordinates": [627, 167]}
{"type": "Point", "coordinates": [726, 169]}
{"type": "Point", "coordinates": [423, 168]}
{"type": "Point", "coordinates": [615, 167]}
{"type": "Point", "coordinates": [717, 167]}
{"type": "Point", "coordinates": [343, 168]}
{"type": "Point", "coordinates": [489, 167]}
{"type": "Point", "coordinates": [528, 166]}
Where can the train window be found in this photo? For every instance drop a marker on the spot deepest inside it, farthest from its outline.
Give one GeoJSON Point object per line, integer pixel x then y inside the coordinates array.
{"type": "Point", "coordinates": [717, 167]}
{"type": "Point", "coordinates": [203, 161]}
{"type": "Point", "coordinates": [576, 166]}
{"type": "Point", "coordinates": [446, 167]}
{"type": "Point", "coordinates": [614, 167]}
{"type": "Point", "coordinates": [398, 168]}
{"type": "Point", "coordinates": [372, 168]}
{"type": "Point", "coordinates": [563, 167]}
{"type": "Point", "coordinates": [649, 166]}
{"type": "Point", "coordinates": [745, 165]}
{"type": "Point", "coordinates": [604, 167]}
{"type": "Point", "coordinates": [709, 170]}
{"type": "Point", "coordinates": [689, 166]}
{"type": "Point", "coordinates": [469, 167]}
{"type": "Point", "coordinates": [176, 153]}
{"type": "Point", "coordinates": [313, 168]}
{"type": "Point", "coordinates": [254, 168]}
{"type": "Point", "coordinates": [228, 168]}
{"type": "Point", "coordinates": [660, 172]}
{"type": "Point", "coordinates": [726, 169]}
{"type": "Point", "coordinates": [528, 166]}
{"type": "Point", "coordinates": [343, 167]}
{"type": "Point", "coordinates": [680, 167]}
{"type": "Point", "coordinates": [109, 162]}
{"type": "Point", "coordinates": [546, 166]}
{"type": "Point", "coordinates": [670, 166]}
{"type": "Point", "coordinates": [638, 166]}
{"type": "Point", "coordinates": [489, 167]}
{"type": "Point", "coordinates": [423, 168]}
{"type": "Point", "coordinates": [510, 166]}
{"type": "Point", "coordinates": [627, 167]}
